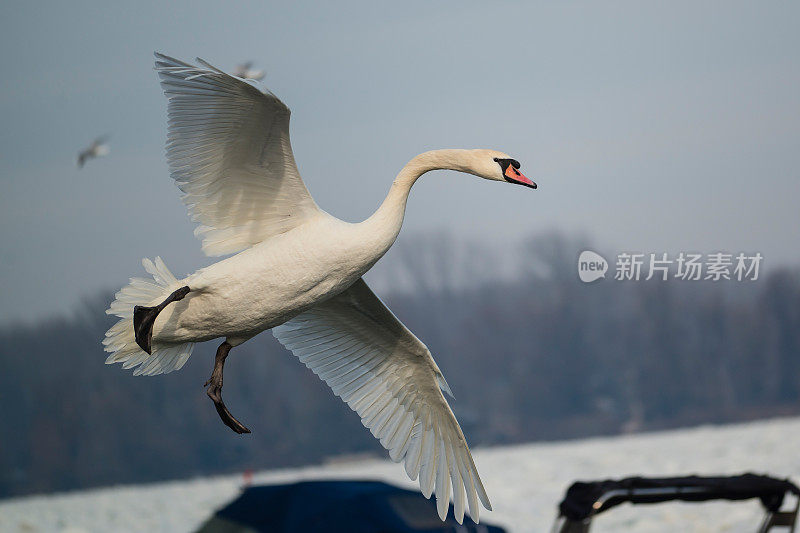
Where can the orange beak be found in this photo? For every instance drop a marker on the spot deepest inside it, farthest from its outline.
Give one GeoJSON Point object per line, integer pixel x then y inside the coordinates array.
{"type": "Point", "coordinates": [515, 176]}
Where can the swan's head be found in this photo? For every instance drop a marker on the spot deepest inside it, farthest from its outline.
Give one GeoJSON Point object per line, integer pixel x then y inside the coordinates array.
{"type": "Point", "coordinates": [497, 166]}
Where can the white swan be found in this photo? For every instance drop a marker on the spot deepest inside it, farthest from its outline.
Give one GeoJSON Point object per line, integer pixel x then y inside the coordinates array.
{"type": "Point", "coordinates": [297, 270]}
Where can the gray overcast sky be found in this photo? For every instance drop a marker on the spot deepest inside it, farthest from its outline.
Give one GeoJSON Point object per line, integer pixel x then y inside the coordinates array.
{"type": "Point", "coordinates": [648, 126]}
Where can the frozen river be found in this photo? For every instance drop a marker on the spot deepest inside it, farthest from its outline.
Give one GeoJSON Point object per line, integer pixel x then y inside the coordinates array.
{"type": "Point", "coordinates": [525, 483]}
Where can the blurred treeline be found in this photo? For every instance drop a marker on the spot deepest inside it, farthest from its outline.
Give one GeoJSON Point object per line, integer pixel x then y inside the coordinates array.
{"type": "Point", "coordinates": [530, 356]}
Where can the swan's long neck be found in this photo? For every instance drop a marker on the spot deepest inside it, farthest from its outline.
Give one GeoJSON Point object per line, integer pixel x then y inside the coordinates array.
{"type": "Point", "coordinates": [388, 219]}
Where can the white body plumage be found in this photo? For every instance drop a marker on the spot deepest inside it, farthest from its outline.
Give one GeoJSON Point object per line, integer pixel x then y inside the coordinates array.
{"type": "Point", "coordinates": [272, 282]}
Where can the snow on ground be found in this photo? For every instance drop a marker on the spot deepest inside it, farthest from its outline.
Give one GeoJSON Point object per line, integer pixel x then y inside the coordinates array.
{"type": "Point", "coordinates": [525, 483]}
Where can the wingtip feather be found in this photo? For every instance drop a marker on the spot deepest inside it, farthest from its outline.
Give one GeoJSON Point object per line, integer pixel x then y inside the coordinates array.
{"type": "Point", "coordinates": [444, 386]}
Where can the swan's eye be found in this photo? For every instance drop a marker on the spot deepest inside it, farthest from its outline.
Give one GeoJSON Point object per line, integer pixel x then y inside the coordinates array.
{"type": "Point", "coordinates": [505, 163]}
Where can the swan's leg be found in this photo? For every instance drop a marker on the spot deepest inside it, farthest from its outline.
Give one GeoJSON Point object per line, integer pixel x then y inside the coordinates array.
{"type": "Point", "coordinates": [215, 389]}
{"type": "Point", "coordinates": [145, 317]}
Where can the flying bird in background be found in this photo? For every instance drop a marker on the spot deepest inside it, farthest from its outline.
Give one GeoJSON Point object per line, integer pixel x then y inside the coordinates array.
{"type": "Point", "coordinates": [297, 270]}
{"type": "Point", "coordinates": [245, 70]}
{"type": "Point", "coordinates": [98, 148]}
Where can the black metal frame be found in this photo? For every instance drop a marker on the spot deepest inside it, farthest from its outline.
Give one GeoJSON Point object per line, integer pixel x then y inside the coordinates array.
{"type": "Point", "coordinates": [772, 519]}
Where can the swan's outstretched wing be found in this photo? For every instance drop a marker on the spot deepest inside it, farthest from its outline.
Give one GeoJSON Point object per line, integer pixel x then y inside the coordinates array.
{"type": "Point", "coordinates": [228, 151]}
{"type": "Point", "coordinates": [384, 373]}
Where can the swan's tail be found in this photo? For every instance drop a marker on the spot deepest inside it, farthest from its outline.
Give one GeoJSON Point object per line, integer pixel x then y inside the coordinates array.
{"type": "Point", "coordinates": [120, 339]}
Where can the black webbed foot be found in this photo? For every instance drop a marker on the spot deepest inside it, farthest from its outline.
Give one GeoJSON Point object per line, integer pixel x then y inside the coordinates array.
{"type": "Point", "coordinates": [145, 317]}
{"type": "Point", "coordinates": [214, 390]}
